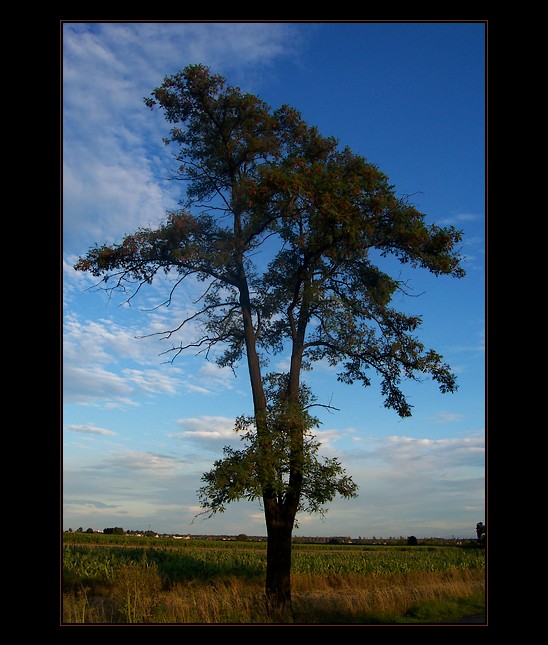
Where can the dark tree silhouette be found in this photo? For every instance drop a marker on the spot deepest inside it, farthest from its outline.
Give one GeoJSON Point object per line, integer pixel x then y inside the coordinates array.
{"type": "Point", "coordinates": [287, 233]}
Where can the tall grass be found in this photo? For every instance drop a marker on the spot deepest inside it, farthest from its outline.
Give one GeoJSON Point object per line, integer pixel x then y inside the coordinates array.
{"type": "Point", "coordinates": [214, 584]}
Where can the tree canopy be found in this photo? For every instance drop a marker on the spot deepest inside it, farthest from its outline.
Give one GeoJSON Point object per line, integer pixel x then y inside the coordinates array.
{"type": "Point", "coordinates": [286, 231]}
{"type": "Point", "coordinates": [263, 178]}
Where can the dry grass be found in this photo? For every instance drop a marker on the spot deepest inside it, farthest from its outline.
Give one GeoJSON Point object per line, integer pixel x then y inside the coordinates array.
{"type": "Point", "coordinates": [355, 599]}
{"type": "Point", "coordinates": [138, 596]}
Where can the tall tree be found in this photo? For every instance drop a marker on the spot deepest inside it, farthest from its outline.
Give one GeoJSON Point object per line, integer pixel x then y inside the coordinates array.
{"type": "Point", "coordinates": [288, 241]}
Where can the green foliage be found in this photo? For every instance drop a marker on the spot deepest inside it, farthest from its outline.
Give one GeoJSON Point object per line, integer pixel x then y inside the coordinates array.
{"type": "Point", "coordinates": [437, 610]}
{"type": "Point", "coordinates": [117, 530]}
{"type": "Point", "coordinates": [481, 532]}
{"type": "Point", "coordinates": [241, 474]}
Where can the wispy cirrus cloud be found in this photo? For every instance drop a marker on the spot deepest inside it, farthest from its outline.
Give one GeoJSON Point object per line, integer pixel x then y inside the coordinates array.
{"type": "Point", "coordinates": [418, 461]}
{"type": "Point", "coordinates": [207, 432]}
{"type": "Point", "coordinates": [95, 365]}
{"type": "Point", "coordinates": [115, 168]}
{"type": "Point", "coordinates": [447, 417]}
{"type": "Point", "coordinates": [89, 428]}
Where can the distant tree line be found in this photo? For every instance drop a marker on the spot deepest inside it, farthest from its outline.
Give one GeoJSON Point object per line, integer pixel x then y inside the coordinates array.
{"type": "Point", "coordinates": [481, 533]}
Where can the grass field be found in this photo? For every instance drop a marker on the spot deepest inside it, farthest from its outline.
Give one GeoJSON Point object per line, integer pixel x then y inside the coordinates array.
{"type": "Point", "coordinates": [122, 579]}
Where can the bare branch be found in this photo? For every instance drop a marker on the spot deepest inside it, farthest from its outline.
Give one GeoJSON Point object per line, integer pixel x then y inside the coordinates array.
{"type": "Point", "coordinates": [169, 332]}
{"type": "Point", "coordinates": [168, 300]}
{"type": "Point", "coordinates": [321, 405]}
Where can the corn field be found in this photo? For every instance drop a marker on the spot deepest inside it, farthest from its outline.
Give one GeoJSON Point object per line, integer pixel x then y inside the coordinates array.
{"type": "Point", "coordinates": [148, 581]}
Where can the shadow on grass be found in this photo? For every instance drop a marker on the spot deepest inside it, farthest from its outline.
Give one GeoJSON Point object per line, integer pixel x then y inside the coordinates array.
{"type": "Point", "coordinates": [99, 565]}
{"type": "Point", "coordinates": [177, 566]}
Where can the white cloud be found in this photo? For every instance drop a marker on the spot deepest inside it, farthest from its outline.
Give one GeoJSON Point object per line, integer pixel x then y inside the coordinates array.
{"type": "Point", "coordinates": [91, 384]}
{"type": "Point", "coordinates": [89, 428]}
{"type": "Point", "coordinates": [198, 389]}
{"type": "Point", "coordinates": [139, 462]}
{"type": "Point", "coordinates": [97, 342]}
{"type": "Point", "coordinates": [216, 377]}
{"type": "Point", "coordinates": [209, 428]}
{"type": "Point", "coordinates": [328, 439]}
{"type": "Point", "coordinates": [153, 381]}
{"type": "Point", "coordinates": [115, 164]}
{"type": "Point", "coordinates": [459, 218]}
{"type": "Point", "coordinates": [401, 491]}
{"type": "Point", "coordinates": [407, 464]}
{"type": "Point", "coordinates": [129, 198]}
{"type": "Point", "coordinates": [206, 435]}
{"type": "Point", "coordinates": [447, 417]}
{"type": "Point", "coordinates": [95, 364]}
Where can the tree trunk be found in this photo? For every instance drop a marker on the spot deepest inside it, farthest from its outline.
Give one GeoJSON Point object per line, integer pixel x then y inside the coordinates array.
{"type": "Point", "coordinates": [279, 526]}
{"type": "Point", "coordinates": [279, 515]}
{"type": "Point", "coordinates": [278, 561]}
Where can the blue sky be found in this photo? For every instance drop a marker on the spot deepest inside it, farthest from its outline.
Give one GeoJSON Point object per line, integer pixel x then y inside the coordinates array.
{"type": "Point", "coordinates": [138, 432]}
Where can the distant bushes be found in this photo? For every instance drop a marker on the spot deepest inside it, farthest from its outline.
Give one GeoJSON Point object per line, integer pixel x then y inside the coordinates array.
{"type": "Point", "coordinates": [117, 530]}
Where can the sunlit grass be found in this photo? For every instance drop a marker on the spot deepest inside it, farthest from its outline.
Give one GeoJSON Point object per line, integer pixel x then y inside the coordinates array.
{"type": "Point", "coordinates": [206, 584]}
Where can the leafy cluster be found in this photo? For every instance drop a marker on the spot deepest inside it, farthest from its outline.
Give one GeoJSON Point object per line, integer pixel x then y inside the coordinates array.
{"type": "Point", "coordinates": [241, 474]}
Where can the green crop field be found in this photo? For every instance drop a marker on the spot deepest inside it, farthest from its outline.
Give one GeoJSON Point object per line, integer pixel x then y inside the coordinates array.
{"type": "Point", "coordinates": [126, 579]}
